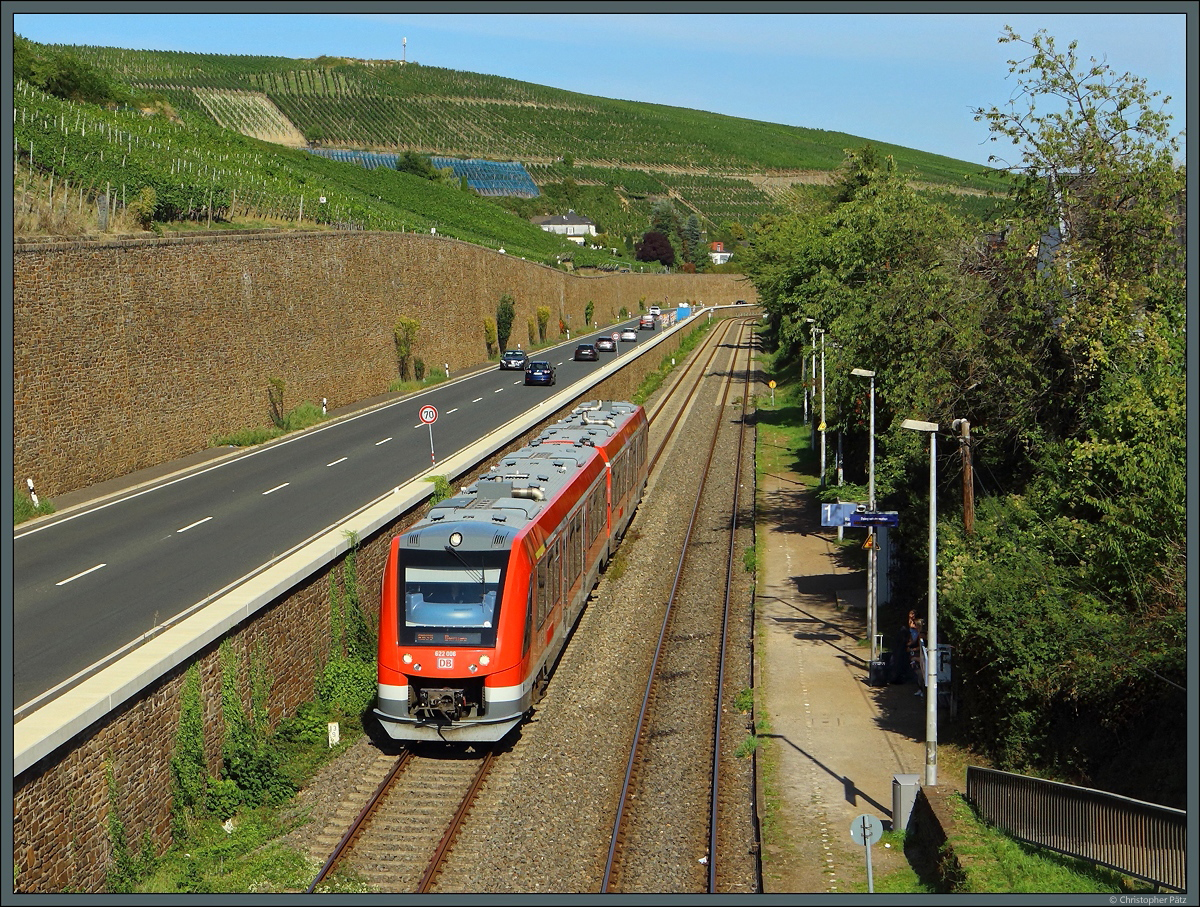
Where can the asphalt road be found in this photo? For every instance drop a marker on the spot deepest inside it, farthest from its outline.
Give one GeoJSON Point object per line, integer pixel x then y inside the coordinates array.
{"type": "Point", "coordinates": [90, 581]}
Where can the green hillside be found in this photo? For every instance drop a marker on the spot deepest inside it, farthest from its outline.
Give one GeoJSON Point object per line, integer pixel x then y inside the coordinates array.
{"type": "Point", "coordinates": [609, 160]}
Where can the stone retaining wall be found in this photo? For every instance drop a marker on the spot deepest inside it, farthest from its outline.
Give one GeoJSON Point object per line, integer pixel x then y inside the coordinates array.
{"type": "Point", "coordinates": [127, 354]}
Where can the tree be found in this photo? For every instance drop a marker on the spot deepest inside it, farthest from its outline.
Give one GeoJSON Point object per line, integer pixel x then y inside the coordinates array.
{"type": "Point", "coordinates": [405, 335]}
{"type": "Point", "coordinates": [656, 247]}
{"type": "Point", "coordinates": [505, 313]}
{"type": "Point", "coordinates": [489, 335]}
{"type": "Point", "coordinates": [1091, 535]}
{"type": "Point", "coordinates": [1099, 173]}
{"type": "Point", "coordinates": [422, 165]}
{"type": "Point", "coordinates": [64, 75]}
{"type": "Point", "coordinates": [543, 322]}
{"type": "Point", "coordinates": [663, 217]}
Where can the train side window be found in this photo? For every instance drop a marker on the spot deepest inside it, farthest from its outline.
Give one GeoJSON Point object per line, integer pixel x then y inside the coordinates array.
{"type": "Point", "coordinates": [575, 566]}
{"type": "Point", "coordinates": [528, 619]}
{"type": "Point", "coordinates": [556, 572]}
{"type": "Point", "coordinates": [543, 590]}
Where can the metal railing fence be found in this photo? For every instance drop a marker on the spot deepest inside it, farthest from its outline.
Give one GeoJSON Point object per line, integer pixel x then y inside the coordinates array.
{"type": "Point", "coordinates": [1140, 839]}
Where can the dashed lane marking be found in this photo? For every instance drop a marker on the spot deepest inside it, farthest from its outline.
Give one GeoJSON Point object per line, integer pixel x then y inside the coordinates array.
{"type": "Point", "coordinates": [69, 579]}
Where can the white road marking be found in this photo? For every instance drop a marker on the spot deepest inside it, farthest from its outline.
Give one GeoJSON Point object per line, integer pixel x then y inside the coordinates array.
{"type": "Point", "coordinates": [277, 487]}
{"type": "Point", "coordinates": [449, 411]}
{"type": "Point", "coordinates": [477, 399]}
{"type": "Point", "coordinates": [497, 390]}
{"type": "Point", "coordinates": [384, 441]}
{"type": "Point", "coordinates": [337, 461]}
{"type": "Point", "coordinates": [77, 575]}
{"type": "Point", "coordinates": [194, 525]}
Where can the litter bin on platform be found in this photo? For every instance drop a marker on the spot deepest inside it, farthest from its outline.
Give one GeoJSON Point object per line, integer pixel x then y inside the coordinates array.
{"type": "Point", "coordinates": [904, 795]}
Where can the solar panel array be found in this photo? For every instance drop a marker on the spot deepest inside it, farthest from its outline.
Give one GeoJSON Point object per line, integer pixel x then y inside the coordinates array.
{"type": "Point", "coordinates": [368, 159]}
{"type": "Point", "coordinates": [491, 177]}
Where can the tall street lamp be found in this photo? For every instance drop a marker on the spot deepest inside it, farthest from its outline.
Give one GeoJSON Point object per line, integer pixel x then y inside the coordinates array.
{"type": "Point", "coordinates": [810, 388]}
{"type": "Point", "coordinates": [931, 649]}
{"type": "Point", "coordinates": [871, 562]}
{"type": "Point", "coordinates": [821, 427]}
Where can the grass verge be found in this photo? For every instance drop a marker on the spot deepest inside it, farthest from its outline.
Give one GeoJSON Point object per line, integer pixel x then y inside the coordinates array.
{"type": "Point", "coordinates": [24, 508]}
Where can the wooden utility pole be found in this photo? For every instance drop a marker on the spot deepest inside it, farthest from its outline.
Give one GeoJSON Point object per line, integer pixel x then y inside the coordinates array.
{"type": "Point", "coordinates": [964, 450]}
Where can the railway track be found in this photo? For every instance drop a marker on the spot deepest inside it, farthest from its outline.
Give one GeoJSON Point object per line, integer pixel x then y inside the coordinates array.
{"type": "Point", "coordinates": [401, 836]}
{"type": "Point", "coordinates": [539, 804]}
{"type": "Point", "coordinates": [678, 745]}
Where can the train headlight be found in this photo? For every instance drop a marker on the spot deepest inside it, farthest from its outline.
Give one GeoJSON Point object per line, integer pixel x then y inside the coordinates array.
{"type": "Point", "coordinates": [455, 539]}
{"type": "Point", "coordinates": [407, 659]}
{"type": "Point", "coordinates": [485, 660]}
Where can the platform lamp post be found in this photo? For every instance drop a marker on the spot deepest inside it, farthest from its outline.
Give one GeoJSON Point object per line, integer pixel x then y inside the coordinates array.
{"type": "Point", "coordinates": [931, 649]}
{"type": "Point", "coordinates": [871, 562]}
{"type": "Point", "coordinates": [821, 427]}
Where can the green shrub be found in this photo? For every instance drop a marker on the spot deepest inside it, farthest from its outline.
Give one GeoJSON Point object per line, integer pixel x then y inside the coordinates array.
{"type": "Point", "coordinates": [490, 336]}
{"type": "Point", "coordinates": [442, 489]}
{"type": "Point", "coordinates": [347, 685]}
{"type": "Point", "coordinates": [308, 727]}
{"type": "Point", "coordinates": [505, 313]}
{"type": "Point", "coordinates": [189, 771]}
{"type": "Point", "coordinates": [303, 416]}
{"type": "Point", "coordinates": [223, 798]}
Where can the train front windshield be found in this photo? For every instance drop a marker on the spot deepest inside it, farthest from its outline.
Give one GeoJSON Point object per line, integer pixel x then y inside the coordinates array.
{"type": "Point", "coordinates": [450, 599]}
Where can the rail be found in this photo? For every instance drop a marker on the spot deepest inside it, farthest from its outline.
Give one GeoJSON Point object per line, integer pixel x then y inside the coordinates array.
{"type": "Point", "coordinates": [612, 870]}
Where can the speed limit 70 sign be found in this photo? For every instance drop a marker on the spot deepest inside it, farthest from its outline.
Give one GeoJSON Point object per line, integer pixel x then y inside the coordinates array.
{"type": "Point", "coordinates": [428, 414]}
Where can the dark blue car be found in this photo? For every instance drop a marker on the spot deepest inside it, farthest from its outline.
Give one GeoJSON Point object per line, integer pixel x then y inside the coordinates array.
{"type": "Point", "coordinates": [540, 373]}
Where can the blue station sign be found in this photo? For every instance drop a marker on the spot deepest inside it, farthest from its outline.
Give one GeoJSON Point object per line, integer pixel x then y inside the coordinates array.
{"type": "Point", "coordinates": [878, 518]}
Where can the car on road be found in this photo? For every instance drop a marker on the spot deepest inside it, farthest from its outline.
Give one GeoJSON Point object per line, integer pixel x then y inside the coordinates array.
{"type": "Point", "coordinates": [629, 335]}
{"type": "Point", "coordinates": [646, 323]}
{"type": "Point", "coordinates": [655, 310]}
{"type": "Point", "coordinates": [586, 351]}
{"type": "Point", "coordinates": [606, 345]}
{"type": "Point", "coordinates": [540, 373]}
{"type": "Point", "coordinates": [740, 302]}
{"type": "Point", "coordinates": [514, 359]}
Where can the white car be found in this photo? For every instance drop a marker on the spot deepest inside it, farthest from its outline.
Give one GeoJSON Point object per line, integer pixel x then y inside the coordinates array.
{"type": "Point", "coordinates": [629, 335]}
{"type": "Point", "coordinates": [655, 310]}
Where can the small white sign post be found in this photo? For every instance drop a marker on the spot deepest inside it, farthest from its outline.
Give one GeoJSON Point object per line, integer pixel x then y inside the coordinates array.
{"type": "Point", "coordinates": [429, 416]}
{"type": "Point", "coordinates": [866, 830]}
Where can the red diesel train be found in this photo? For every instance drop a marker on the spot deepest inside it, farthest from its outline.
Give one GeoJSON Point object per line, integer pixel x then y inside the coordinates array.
{"type": "Point", "coordinates": [479, 596]}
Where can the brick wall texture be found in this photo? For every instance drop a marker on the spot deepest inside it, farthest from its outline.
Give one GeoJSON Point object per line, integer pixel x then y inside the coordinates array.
{"type": "Point", "coordinates": [132, 353]}
{"type": "Point", "coordinates": [129, 354]}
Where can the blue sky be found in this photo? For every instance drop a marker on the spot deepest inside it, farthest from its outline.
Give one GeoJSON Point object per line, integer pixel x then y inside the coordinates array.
{"type": "Point", "coordinates": [908, 78]}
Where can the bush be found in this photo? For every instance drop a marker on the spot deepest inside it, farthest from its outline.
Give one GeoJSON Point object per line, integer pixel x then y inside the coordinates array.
{"type": "Point", "coordinates": [302, 416]}
{"type": "Point", "coordinates": [142, 208]}
{"type": "Point", "coordinates": [223, 798]}
{"type": "Point", "coordinates": [309, 726]}
{"type": "Point", "coordinates": [506, 311]}
{"type": "Point", "coordinates": [347, 685]}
